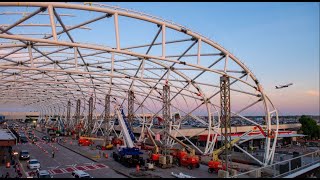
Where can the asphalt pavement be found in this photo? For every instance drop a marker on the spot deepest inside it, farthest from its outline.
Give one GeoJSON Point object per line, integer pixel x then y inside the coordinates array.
{"type": "Point", "coordinates": [64, 160]}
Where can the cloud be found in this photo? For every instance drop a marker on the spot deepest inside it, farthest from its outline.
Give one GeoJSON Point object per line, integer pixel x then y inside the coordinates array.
{"type": "Point", "coordinates": [313, 93]}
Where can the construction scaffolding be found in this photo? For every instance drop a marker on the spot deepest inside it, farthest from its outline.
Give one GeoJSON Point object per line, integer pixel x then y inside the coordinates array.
{"type": "Point", "coordinates": [107, 115]}
{"type": "Point", "coordinates": [225, 116]}
{"type": "Point", "coordinates": [90, 121]}
{"type": "Point", "coordinates": [166, 115]}
{"type": "Point", "coordinates": [68, 111]}
{"type": "Point", "coordinates": [77, 121]}
{"type": "Point", "coordinates": [130, 108]}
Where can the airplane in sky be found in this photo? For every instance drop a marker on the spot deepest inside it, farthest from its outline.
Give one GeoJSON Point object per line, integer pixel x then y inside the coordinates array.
{"type": "Point", "coordinates": [283, 86]}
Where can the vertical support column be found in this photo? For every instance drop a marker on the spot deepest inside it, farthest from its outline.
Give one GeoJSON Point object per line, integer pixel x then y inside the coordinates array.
{"type": "Point", "coordinates": [77, 113]}
{"type": "Point", "coordinates": [55, 73]}
{"type": "Point", "coordinates": [225, 63]}
{"type": "Point", "coordinates": [90, 123]}
{"type": "Point", "coordinates": [166, 114]}
{"type": "Point", "coordinates": [30, 54]}
{"type": "Point", "coordinates": [225, 115]}
{"type": "Point", "coordinates": [130, 108]}
{"type": "Point", "coordinates": [68, 112]}
{"type": "Point", "coordinates": [107, 115]}
{"type": "Point", "coordinates": [53, 24]}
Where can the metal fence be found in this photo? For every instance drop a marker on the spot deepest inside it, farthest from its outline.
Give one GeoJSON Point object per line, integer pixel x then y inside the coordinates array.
{"type": "Point", "coordinates": [283, 168]}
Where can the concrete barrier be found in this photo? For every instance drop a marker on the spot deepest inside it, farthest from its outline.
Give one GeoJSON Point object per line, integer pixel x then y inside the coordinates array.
{"type": "Point", "coordinates": [223, 174]}
{"type": "Point", "coordinates": [256, 173]}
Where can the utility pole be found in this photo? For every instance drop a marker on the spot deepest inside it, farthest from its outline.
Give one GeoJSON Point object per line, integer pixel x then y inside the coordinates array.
{"type": "Point", "coordinates": [225, 115]}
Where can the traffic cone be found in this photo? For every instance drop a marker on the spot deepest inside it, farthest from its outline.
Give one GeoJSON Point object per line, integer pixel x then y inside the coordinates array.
{"type": "Point", "coordinates": [106, 155]}
{"type": "Point", "coordinates": [138, 168]}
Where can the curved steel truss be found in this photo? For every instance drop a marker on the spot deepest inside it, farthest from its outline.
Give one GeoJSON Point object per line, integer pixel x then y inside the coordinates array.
{"type": "Point", "coordinates": [53, 53]}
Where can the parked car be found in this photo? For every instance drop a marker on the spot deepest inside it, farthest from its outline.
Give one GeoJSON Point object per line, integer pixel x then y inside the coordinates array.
{"type": "Point", "coordinates": [45, 138]}
{"type": "Point", "coordinates": [23, 139]}
{"type": "Point", "coordinates": [33, 164]}
{"type": "Point", "coordinates": [31, 136]}
{"type": "Point", "coordinates": [24, 154]}
{"type": "Point", "coordinates": [43, 174]}
{"type": "Point", "coordinates": [34, 139]}
{"type": "Point", "coordinates": [80, 174]}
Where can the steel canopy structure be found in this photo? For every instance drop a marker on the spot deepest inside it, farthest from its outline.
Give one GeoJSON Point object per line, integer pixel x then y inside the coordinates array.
{"type": "Point", "coordinates": [61, 52]}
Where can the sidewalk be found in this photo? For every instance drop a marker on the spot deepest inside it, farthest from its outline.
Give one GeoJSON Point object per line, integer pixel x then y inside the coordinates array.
{"type": "Point", "coordinates": [11, 171]}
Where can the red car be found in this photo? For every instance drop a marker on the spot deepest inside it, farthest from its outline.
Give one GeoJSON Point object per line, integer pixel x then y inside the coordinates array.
{"type": "Point", "coordinates": [85, 142]}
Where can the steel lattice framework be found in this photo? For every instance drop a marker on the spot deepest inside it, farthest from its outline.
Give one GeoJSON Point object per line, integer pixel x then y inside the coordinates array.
{"type": "Point", "coordinates": [47, 58]}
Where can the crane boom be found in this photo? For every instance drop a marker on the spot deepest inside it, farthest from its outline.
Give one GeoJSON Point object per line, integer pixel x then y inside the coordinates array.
{"type": "Point", "coordinates": [215, 154]}
{"type": "Point", "coordinates": [125, 129]}
{"type": "Point", "coordinates": [155, 144]}
{"type": "Point", "coordinates": [191, 150]}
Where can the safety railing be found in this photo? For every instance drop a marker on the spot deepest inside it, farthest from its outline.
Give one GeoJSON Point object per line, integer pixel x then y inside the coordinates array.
{"type": "Point", "coordinates": [283, 168]}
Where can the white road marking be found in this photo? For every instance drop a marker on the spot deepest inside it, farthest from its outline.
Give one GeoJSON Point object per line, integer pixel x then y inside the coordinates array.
{"type": "Point", "coordinates": [89, 163]}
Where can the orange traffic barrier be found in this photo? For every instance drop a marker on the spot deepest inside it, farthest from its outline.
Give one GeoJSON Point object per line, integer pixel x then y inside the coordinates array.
{"type": "Point", "coordinates": [8, 165]}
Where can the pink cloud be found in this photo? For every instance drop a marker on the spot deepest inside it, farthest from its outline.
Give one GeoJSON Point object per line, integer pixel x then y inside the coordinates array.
{"type": "Point", "coordinates": [313, 93]}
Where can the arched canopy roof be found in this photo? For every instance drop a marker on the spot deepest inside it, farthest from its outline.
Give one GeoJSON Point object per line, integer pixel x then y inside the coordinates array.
{"type": "Point", "coordinates": [55, 52]}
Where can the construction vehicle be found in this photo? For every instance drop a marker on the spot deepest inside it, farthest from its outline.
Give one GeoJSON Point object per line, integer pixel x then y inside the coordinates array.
{"type": "Point", "coordinates": [182, 158]}
{"type": "Point", "coordinates": [128, 155]}
{"type": "Point", "coordinates": [163, 161]}
{"type": "Point", "coordinates": [216, 164]}
{"type": "Point", "coordinates": [115, 141]}
{"type": "Point", "coordinates": [84, 141]}
{"type": "Point", "coordinates": [106, 145]}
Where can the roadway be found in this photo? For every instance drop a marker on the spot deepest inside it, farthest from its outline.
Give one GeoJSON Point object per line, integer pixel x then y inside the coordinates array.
{"type": "Point", "coordinates": [64, 161]}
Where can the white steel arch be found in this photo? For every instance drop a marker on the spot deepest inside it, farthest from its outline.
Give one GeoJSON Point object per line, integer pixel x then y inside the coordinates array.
{"type": "Point", "coordinates": [49, 71]}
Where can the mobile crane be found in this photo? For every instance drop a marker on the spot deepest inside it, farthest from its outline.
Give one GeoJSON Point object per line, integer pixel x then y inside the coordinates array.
{"type": "Point", "coordinates": [215, 164]}
{"type": "Point", "coordinates": [128, 155]}
{"type": "Point", "coordinates": [182, 158]}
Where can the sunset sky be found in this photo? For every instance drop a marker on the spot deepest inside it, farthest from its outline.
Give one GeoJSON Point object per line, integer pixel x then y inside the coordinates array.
{"type": "Point", "coordinates": [279, 42]}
